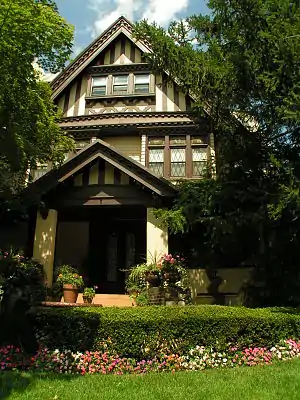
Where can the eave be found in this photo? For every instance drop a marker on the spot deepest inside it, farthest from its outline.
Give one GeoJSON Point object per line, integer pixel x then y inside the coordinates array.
{"type": "Point", "coordinates": [100, 149]}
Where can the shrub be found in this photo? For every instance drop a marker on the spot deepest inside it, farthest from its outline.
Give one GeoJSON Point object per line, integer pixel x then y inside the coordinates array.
{"type": "Point", "coordinates": [132, 330]}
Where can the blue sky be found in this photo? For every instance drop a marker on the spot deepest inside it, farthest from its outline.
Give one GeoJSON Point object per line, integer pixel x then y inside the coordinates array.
{"type": "Point", "coordinates": [91, 17]}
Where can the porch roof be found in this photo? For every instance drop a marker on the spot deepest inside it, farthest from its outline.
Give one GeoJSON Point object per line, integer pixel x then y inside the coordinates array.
{"type": "Point", "coordinates": [101, 149]}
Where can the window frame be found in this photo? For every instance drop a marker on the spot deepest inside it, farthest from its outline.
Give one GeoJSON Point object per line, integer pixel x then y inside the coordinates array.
{"type": "Point", "coordinates": [106, 85]}
{"type": "Point", "coordinates": [134, 83]}
{"type": "Point", "coordinates": [113, 84]}
{"type": "Point", "coordinates": [167, 148]}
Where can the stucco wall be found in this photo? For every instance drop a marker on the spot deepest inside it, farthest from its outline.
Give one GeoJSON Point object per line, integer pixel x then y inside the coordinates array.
{"type": "Point", "coordinates": [128, 145]}
{"type": "Point", "coordinates": [157, 238]}
{"type": "Point", "coordinates": [232, 282]}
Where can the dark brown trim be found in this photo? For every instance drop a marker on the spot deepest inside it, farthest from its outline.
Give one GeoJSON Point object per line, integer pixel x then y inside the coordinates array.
{"type": "Point", "coordinates": [117, 176]}
{"type": "Point", "coordinates": [101, 171]}
{"type": "Point", "coordinates": [123, 44]}
{"type": "Point", "coordinates": [164, 93]}
{"type": "Point", "coordinates": [86, 176]}
{"type": "Point", "coordinates": [66, 103]}
{"type": "Point", "coordinates": [100, 61]}
{"type": "Point", "coordinates": [77, 95]}
{"type": "Point", "coordinates": [132, 52]}
{"type": "Point", "coordinates": [147, 152]}
{"type": "Point", "coordinates": [112, 57]}
{"type": "Point", "coordinates": [189, 159]}
{"type": "Point", "coordinates": [115, 68]}
{"type": "Point", "coordinates": [167, 157]}
{"type": "Point", "coordinates": [176, 97]}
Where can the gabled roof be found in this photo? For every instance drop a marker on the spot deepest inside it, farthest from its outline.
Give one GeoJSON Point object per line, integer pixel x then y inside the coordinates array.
{"type": "Point", "coordinates": [121, 25]}
{"type": "Point", "coordinates": [101, 149]}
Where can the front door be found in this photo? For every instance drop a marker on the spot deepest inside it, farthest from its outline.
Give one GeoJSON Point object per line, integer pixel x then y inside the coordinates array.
{"type": "Point", "coordinates": [114, 247]}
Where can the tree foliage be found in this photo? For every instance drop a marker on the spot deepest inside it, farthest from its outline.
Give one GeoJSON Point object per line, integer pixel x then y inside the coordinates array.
{"type": "Point", "coordinates": [29, 30]}
{"type": "Point", "coordinates": [241, 65]}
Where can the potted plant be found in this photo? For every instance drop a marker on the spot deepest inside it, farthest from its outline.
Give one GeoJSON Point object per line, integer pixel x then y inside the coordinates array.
{"type": "Point", "coordinates": [71, 283]}
{"type": "Point", "coordinates": [152, 275]}
{"type": "Point", "coordinates": [88, 295]}
{"type": "Point", "coordinates": [172, 268]}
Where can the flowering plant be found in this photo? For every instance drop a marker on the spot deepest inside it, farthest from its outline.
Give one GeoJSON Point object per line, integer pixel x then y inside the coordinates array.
{"type": "Point", "coordinates": [70, 278]}
{"type": "Point", "coordinates": [89, 293]}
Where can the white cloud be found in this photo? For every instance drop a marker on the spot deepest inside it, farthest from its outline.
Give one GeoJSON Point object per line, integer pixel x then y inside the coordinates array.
{"type": "Point", "coordinates": [163, 11]}
{"type": "Point", "coordinates": [104, 18]}
{"type": "Point", "coordinates": [160, 11]}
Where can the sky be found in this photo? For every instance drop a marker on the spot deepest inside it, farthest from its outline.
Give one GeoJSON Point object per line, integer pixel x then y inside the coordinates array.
{"type": "Point", "coordinates": [91, 17]}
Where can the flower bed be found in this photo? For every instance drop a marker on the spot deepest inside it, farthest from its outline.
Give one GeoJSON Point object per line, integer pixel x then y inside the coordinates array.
{"type": "Point", "coordinates": [198, 358]}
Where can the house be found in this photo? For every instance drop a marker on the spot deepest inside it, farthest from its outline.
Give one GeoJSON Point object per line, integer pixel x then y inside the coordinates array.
{"type": "Point", "coordinates": [135, 137]}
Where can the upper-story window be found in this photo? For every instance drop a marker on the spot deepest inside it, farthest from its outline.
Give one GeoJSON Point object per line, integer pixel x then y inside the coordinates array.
{"type": "Point", "coordinates": [99, 84]}
{"type": "Point", "coordinates": [142, 83]}
{"type": "Point", "coordinates": [177, 156]}
{"type": "Point", "coordinates": [120, 84]}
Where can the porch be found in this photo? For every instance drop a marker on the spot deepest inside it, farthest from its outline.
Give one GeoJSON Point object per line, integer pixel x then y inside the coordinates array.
{"type": "Point", "coordinates": [97, 215]}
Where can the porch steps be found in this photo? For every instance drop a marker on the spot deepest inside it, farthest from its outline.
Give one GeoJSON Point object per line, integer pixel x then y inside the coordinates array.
{"type": "Point", "coordinates": [110, 300]}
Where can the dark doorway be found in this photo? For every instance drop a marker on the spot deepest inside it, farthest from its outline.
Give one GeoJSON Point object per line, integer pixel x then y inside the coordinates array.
{"type": "Point", "coordinates": [117, 242]}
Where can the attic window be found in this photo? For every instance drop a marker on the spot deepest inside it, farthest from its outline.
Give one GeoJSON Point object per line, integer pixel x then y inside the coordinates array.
{"type": "Point", "coordinates": [120, 84]}
{"type": "Point", "coordinates": [141, 83]}
{"type": "Point", "coordinates": [99, 86]}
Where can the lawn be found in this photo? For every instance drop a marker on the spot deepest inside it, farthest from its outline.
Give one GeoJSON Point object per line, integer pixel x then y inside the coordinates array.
{"type": "Point", "coordinates": [279, 381]}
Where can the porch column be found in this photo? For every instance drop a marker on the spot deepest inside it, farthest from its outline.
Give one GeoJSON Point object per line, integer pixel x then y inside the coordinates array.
{"type": "Point", "coordinates": [157, 237]}
{"type": "Point", "coordinates": [44, 242]}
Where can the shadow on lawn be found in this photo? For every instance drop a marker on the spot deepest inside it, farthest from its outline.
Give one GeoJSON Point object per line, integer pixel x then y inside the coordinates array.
{"type": "Point", "coordinates": [20, 381]}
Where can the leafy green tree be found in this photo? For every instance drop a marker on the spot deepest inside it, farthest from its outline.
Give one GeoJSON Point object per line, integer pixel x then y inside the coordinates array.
{"type": "Point", "coordinates": [241, 65]}
{"type": "Point", "coordinates": [29, 30]}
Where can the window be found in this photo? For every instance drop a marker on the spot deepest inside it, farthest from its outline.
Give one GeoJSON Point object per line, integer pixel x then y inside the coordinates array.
{"type": "Point", "coordinates": [199, 157]}
{"type": "Point", "coordinates": [156, 161]}
{"type": "Point", "coordinates": [141, 83]}
{"type": "Point", "coordinates": [99, 86]}
{"type": "Point", "coordinates": [120, 84]}
{"type": "Point", "coordinates": [177, 156]}
{"type": "Point", "coordinates": [156, 155]}
{"type": "Point", "coordinates": [178, 164]}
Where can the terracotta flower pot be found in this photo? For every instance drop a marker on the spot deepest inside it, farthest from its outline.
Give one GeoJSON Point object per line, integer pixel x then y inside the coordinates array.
{"type": "Point", "coordinates": [70, 293]}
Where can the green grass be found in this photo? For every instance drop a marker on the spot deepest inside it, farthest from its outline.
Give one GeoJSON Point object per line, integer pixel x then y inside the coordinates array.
{"type": "Point", "coordinates": [276, 382]}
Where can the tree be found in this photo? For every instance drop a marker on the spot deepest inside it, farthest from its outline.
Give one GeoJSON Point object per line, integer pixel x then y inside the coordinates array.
{"type": "Point", "coordinates": [29, 30]}
{"type": "Point", "coordinates": [241, 65]}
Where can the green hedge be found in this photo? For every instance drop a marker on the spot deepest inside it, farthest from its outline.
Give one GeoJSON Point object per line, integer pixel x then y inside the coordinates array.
{"type": "Point", "coordinates": [131, 329]}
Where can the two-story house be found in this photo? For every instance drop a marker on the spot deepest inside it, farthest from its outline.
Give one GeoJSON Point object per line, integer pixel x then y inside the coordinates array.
{"type": "Point", "coordinates": [134, 136]}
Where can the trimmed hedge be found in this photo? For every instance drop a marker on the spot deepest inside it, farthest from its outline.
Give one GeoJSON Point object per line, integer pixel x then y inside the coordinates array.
{"type": "Point", "coordinates": [133, 329]}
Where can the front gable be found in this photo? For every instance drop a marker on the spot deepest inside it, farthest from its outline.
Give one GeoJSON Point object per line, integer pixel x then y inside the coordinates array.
{"type": "Point", "coordinates": [99, 175]}
{"type": "Point", "coordinates": [115, 53]}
